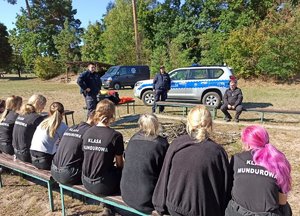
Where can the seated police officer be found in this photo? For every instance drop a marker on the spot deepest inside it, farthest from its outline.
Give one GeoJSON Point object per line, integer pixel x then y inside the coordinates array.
{"type": "Point", "coordinates": [232, 100]}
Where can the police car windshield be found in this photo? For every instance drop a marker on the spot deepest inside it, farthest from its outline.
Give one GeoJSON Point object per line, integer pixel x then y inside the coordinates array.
{"type": "Point", "coordinates": [112, 71]}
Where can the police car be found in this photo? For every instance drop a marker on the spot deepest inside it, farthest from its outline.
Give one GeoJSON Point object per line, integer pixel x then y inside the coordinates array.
{"type": "Point", "coordinates": [203, 84]}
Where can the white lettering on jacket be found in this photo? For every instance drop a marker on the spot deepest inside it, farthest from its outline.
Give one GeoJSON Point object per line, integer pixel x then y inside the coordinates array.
{"type": "Point", "coordinates": [256, 171]}
{"type": "Point", "coordinates": [95, 148]}
{"type": "Point", "coordinates": [21, 123]}
{"type": "Point", "coordinates": [98, 141]}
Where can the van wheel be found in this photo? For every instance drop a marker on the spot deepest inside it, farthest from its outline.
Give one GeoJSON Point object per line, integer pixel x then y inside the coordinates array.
{"type": "Point", "coordinates": [148, 98]}
{"type": "Point", "coordinates": [117, 86]}
{"type": "Point", "coordinates": [132, 86]}
{"type": "Point", "coordinates": [212, 99]}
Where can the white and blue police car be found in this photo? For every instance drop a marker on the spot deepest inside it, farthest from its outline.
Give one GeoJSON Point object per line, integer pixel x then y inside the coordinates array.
{"type": "Point", "coordinates": [201, 84]}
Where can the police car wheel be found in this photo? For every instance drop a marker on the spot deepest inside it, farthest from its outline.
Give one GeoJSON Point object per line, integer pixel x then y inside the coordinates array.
{"type": "Point", "coordinates": [148, 98]}
{"type": "Point", "coordinates": [212, 99]}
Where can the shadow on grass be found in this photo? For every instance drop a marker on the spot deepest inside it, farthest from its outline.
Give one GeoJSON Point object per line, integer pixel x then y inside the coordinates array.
{"type": "Point", "coordinates": [16, 78]}
{"type": "Point", "coordinates": [248, 105]}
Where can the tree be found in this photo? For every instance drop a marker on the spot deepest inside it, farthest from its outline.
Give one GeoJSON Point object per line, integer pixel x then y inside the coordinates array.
{"type": "Point", "coordinates": [92, 49]}
{"type": "Point", "coordinates": [118, 37]}
{"type": "Point", "coordinates": [6, 50]}
{"type": "Point", "coordinates": [67, 43]}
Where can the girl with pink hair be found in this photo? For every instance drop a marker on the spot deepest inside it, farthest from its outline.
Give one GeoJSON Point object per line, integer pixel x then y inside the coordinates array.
{"type": "Point", "coordinates": [261, 177]}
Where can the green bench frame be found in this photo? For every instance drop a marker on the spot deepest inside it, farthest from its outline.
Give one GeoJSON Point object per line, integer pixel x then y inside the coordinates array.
{"type": "Point", "coordinates": [274, 111]}
{"type": "Point", "coordinates": [185, 106]}
{"type": "Point", "coordinates": [8, 161]}
{"type": "Point", "coordinates": [110, 200]}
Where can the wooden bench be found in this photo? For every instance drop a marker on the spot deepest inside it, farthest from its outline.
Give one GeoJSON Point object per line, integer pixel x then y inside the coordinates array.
{"type": "Point", "coordinates": [185, 106]}
{"type": "Point", "coordinates": [116, 201]}
{"type": "Point", "coordinates": [275, 111]}
{"type": "Point", "coordinates": [29, 170]}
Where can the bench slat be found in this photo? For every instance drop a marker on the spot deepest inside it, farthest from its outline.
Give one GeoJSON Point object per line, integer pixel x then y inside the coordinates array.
{"type": "Point", "coordinates": [274, 111]}
{"type": "Point", "coordinates": [116, 201]}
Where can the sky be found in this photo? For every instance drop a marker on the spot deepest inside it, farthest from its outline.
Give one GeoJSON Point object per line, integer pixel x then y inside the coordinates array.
{"type": "Point", "coordinates": [87, 11]}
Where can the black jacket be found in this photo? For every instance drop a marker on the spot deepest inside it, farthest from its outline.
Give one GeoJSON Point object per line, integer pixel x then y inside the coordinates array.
{"type": "Point", "coordinates": [233, 97]}
{"type": "Point", "coordinates": [90, 80]}
{"type": "Point", "coordinates": [144, 158]}
{"type": "Point", "coordinates": [194, 179]}
{"type": "Point", "coordinates": [162, 82]}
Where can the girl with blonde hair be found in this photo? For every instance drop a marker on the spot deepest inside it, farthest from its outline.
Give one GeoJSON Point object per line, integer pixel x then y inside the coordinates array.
{"type": "Point", "coordinates": [25, 126]}
{"type": "Point", "coordinates": [46, 136]}
{"type": "Point", "coordinates": [101, 146]}
{"type": "Point", "coordinates": [194, 179]}
{"type": "Point", "coordinates": [7, 122]}
{"type": "Point", "coordinates": [144, 158]}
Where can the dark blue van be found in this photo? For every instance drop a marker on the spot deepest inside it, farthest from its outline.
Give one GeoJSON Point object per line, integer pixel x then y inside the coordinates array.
{"type": "Point", "coordinates": [119, 76]}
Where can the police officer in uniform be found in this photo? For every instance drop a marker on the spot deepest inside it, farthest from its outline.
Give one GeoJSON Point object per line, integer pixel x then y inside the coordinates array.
{"type": "Point", "coordinates": [90, 85]}
{"type": "Point", "coordinates": [161, 86]}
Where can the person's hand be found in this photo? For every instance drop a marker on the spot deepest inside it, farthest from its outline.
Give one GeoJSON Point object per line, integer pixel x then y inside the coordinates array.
{"type": "Point", "coordinates": [232, 107]}
{"type": "Point", "coordinates": [229, 106]}
{"type": "Point", "coordinates": [88, 90]}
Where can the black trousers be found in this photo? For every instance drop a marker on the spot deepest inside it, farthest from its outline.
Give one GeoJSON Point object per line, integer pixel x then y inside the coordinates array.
{"type": "Point", "coordinates": [23, 155]}
{"type": "Point", "coordinates": [41, 160]}
{"type": "Point", "coordinates": [238, 110]}
{"type": "Point", "coordinates": [66, 175]}
{"type": "Point", "coordinates": [7, 148]}
{"type": "Point", "coordinates": [160, 95]}
{"type": "Point", "coordinates": [234, 209]}
{"type": "Point", "coordinates": [106, 185]}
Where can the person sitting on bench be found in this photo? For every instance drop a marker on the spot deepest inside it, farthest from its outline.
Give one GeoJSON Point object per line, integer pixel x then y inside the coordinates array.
{"type": "Point", "coordinates": [101, 145]}
{"type": "Point", "coordinates": [46, 137]}
{"type": "Point", "coordinates": [262, 177]}
{"type": "Point", "coordinates": [67, 162]}
{"type": "Point", "coordinates": [144, 157]}
{"type": "Point", "coordinates": [233, 99]}
{"type": "Point", "coordinates": [7, 122]}
{"type": "Point", "coordinates": [194, 179]}
{"type": "Point", "coordinates": [25, 126]}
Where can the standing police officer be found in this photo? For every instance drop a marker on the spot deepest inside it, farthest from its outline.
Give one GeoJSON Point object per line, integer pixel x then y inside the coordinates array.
{"type": "Point", "coordinates": [90, 85]}
{"type": "Point", "coordinates": [161, 86]}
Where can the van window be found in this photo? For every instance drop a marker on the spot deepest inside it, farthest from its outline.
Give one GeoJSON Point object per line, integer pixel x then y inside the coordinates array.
{"type": "Point", "coordinates": [112, 71]}
{"type": "Point", "coordinates": [123, 71]}
{"type": "Point", "coordinates": [198, 74]}
{"type": "Point", "coordinates": [215, 73]}
{"type": "Point", "coordinates": [178, 75]}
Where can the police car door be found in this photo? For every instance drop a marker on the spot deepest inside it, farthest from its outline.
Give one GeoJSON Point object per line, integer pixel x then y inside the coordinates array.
{"type": "Point", "coordinates": [196, 83]}
{"type": "Point", "coordinates": [178, 84]}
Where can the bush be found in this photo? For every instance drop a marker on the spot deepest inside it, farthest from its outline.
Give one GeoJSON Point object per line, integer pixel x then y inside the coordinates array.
{"type": "Point", "coordinates": [47, 68]}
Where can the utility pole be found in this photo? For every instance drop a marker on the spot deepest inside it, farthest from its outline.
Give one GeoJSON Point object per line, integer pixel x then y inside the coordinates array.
{"type": "Point", "coordinates": [136, 33]}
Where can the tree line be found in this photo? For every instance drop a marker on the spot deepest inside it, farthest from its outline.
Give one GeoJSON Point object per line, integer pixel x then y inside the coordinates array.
{"type": "Point", "coordinates": [256, 38]}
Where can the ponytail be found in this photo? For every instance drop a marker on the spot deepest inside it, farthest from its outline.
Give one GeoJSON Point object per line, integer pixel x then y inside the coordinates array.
{"type": "Point", "coordinates": [12, 103]}
{"type": "Point", "coordinates": [27, 109]}
{"type": "Point", "coordinates": [52, 123]}
{"type": "Point", "coordinates": [266, 155]}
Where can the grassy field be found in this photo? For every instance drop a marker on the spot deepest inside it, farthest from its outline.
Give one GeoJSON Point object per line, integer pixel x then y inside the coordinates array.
{"type": "Point", "coordinates": [22, 197]}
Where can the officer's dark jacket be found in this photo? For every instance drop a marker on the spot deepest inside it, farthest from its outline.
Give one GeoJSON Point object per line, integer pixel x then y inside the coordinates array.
{"type": "Point", "coordinates": [162, 81]}
{"type": "Point", "coordinates": [233, 97]}
{"type": "Point", "coordinates": [90, 80]}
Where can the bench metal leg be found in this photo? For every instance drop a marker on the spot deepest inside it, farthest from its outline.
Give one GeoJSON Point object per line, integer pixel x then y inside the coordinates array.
{"type": "Point", "coordinates": [1, 185]}
{"type": "Point", "coordinates": [262, 117]}
{"type": "Point", "coordinates": [50, 194]}
{"type": "Point", "coordinates": [63, 212]}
